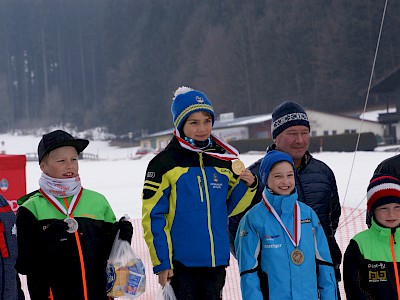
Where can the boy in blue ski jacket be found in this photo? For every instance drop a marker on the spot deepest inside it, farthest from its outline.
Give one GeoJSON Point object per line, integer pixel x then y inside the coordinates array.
{"type": "Point", "coordinates": [284, 238]}
{"type": "Point", "coordinates": [191, 188]}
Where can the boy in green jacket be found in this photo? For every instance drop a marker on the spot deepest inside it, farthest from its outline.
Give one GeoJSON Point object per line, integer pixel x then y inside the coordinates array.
{"type": "Point", "coordinates": [65, 232]}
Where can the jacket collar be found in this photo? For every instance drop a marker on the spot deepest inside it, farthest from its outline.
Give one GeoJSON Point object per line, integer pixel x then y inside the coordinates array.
{"type": "Point", "coordinates": [384, 232]}
{"type": "Point", "coordinates": [281, 203]}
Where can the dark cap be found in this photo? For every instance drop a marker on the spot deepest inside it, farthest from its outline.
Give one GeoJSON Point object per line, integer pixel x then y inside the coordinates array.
{"type": "Point", "coordinates": [59, 138]}
{"type": "Point", "coordinates": [286, 115]}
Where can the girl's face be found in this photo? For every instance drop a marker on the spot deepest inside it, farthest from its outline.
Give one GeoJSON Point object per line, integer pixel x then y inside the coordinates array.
{"type": "Point", "coordinates": [61, 163]}
{"type": "Point", "coordinates": [281, 178]}
{"type": "Point", "coordinates": [198, 126]}
{"type": "Point", "coordinates": [388, 215]}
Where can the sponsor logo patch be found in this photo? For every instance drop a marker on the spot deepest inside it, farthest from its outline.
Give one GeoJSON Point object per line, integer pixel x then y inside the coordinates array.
{"type": "Point", "coordinates": [199, 99]}
{"type": "Point", "coordinates": [273, 246]}
{"type": "Point", "coordinates": [377, 276]}
{"type": "Point", "coordinates": [377, 272]}
{"type": "Point", "coordinates": [380, 265]}
{"type": "Point", "coordinates": [151, 174]}
{"type": "Point", "coordinates": [215, 178]}
{"type": "Point", "coordinates": [271, 237]}
{"type": "Point", "coordinates": [216, 185]}
{"type": "Point", "coordinates": [305, 221]}
{"type": "Point", "coordinates": [243, 233]}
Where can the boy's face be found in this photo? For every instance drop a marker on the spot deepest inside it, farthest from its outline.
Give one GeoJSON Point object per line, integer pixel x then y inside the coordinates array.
{"type": "Point", "coordinates": [388, 215]}
{"type": "Point", "coordinates": [281, 178]}
{"type": "Point", "coordinates": [61, 163]}
{"type": "Point", "coordinates": [198, 126]}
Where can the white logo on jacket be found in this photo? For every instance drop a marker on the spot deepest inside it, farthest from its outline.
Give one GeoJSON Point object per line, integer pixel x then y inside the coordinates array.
{"type": "Point", "coordinates": [274, 246]}
{"type": "Point", "coordinates": [151, 174]}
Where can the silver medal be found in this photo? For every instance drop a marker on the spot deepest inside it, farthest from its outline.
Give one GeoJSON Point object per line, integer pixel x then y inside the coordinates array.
{"type": "Point", "coordinates": [72, 224]}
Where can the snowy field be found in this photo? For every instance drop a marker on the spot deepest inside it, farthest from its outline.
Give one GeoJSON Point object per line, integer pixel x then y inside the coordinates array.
{"type": "Point", "coordinates": [120, 178]}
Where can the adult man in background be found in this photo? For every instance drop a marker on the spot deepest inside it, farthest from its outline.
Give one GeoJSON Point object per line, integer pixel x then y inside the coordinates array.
{"type": "Point", "coordinates": [315, 181]}
{"type": "Point", "coordinates": [390, 166]}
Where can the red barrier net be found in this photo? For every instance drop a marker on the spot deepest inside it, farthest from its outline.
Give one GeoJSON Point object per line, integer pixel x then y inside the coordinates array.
{"type": "Point", "coordinates": [351, 222]}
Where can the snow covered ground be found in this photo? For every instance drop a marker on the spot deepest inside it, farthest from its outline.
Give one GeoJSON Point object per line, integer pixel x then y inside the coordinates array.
{"type": "Point", "coordinates": [120, 178]}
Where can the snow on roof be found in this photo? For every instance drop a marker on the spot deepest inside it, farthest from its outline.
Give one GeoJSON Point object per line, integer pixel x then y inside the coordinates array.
{"type": "Point", "coordinates": [243, 121]}
{"type": "Point", "coordinates": [374, 115]}
{"type": "Point", "coordinates": [218, 124]}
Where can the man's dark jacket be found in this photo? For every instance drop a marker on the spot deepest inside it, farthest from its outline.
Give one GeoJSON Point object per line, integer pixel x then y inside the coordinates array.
{"type": "Point", "coordinates": [390, 166]}
{"type": "Point", "coordinates": [316, 186]}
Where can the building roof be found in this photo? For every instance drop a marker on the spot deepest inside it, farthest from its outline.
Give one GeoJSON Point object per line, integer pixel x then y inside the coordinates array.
{"type": "Point", "coordinates": [244, 121]}
{"type": "Point", "coordinates": [222, 124]}
{"type": "Point", "coordinates": [388, 83]}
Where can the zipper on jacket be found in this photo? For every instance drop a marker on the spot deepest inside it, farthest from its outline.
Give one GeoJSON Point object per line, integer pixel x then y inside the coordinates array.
{"type": "Point", "coordinates": [210, 233]}
{"type": "Point", "coordinates": [80, 254]}
{"type": "Point", "coordinates": [200, 188]}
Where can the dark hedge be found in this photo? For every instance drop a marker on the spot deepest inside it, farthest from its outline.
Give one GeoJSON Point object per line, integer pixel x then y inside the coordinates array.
{"type": "Point", "coordinates": [344, 142]}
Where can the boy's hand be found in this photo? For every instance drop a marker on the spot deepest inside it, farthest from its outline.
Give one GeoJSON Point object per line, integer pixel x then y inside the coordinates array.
{"type": "Point", "coordinates": [165, 276]}
{"type": "Point", "coordinates": [248, 177]}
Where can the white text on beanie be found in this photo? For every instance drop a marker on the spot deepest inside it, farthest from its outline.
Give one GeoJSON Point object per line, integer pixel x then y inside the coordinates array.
{"type": "Point", "coordinates": [286, 115]}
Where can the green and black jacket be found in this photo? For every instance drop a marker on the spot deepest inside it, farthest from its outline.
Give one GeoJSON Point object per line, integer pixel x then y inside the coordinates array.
{"type": "Point", "coordinates": [61, 264]}
{"type": "Point", "coordinates": [370, 264]}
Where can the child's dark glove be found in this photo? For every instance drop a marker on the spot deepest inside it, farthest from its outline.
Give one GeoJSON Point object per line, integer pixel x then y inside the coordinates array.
{"type": "Point", "coordinates": [125, 230]}
{"type": "Point", "coordinates": [57, 230]}
{"type": "Point", "coordinates": [337, 273]}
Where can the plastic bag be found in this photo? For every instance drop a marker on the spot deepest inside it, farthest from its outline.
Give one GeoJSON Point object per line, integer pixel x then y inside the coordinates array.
{"type": "Point", "coordinates": [165, 293]}
{"type": "Point", "coordinates": [125, 272]}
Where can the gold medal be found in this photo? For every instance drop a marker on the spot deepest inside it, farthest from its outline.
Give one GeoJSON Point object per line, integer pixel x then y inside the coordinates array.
{"type": "Point", "coordinates": [238, 166]}
{"type": "Point", "coordinates": [297, 256]}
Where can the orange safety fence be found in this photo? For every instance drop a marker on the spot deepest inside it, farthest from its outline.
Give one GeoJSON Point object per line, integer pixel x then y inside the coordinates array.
{"type": "Point", "coordinates": [351, 222]}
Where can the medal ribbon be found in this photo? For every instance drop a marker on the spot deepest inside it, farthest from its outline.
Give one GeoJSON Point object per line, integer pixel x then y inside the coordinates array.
{"type": "Point", "coordinates": [53, 200]}
{"type": "Point", "coordinates": [297, 223]}
{"type": "Point", "coordinates": [232, 154]}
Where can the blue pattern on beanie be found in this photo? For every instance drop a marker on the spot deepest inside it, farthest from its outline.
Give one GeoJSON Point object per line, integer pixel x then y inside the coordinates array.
{"type": "Point", "coordinates": [269, 160]}
{"type": "Point", "coordinates": [286, 115]}
{"type": "Point", "coordinates": [188, 103]}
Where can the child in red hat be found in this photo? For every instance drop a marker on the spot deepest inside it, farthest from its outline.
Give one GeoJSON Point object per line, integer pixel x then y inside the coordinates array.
{"type": "Point", "coordinates": [370, 266]}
